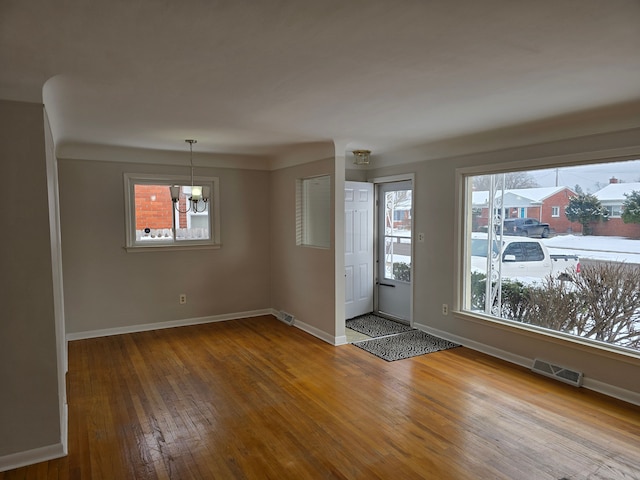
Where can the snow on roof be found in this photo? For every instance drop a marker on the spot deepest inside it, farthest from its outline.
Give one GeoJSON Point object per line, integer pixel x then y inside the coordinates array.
{"type": "Point", "coordinates": [616, 191]}
{"type": "Point", "coordinates": [537, 194]}
{"type": "Point", "coordinates": [532, 195]}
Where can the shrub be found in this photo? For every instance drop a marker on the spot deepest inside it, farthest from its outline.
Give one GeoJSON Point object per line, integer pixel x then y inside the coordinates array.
{"type": "Point", "coordinates": [402, 271]}
{"type": "Point", "coordinates": [601, 303]}
{"type": "Point", "coordinates": [514, 297]}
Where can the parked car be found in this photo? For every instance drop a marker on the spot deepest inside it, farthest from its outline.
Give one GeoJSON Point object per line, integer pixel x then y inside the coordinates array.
{"type": "Point", "coordinates": [526, 227]}
{"type": "Point", "coordinates": [521, 258]}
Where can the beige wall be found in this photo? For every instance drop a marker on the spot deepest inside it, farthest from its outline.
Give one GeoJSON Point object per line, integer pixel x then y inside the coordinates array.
{"type": "Point", "coordinates": [435, 214]}
{"type": "Point", "coordinates": [302, 278]}
{"type": "Point", "coordinates": [29, 409]}
{"type": "Point", "coordinates": [106, 287]}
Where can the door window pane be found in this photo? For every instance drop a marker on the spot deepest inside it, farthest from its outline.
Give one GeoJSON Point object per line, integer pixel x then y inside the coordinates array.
{"type": "Point", "coordinates": [397, 241]}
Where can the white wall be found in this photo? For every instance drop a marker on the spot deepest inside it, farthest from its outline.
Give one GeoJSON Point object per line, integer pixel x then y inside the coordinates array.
{"type": "Point", "coordinates": [302, 278]}
{"type": "Point", "coordinates": [435, 214]}
{"type": "Point", "coordinates": [108, 288]}
{"type": "Point", "coordinates": [29, 406]}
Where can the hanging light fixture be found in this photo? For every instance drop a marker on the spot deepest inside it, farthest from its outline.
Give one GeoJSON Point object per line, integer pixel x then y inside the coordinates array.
{"type": "Point", "coordinates": [199, 198]}
{"type": "Point", "coordinates": [361, 157]}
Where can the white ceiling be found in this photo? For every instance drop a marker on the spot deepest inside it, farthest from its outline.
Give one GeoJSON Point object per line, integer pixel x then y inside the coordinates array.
{"type": "Point", "coordinates": [258, 76]}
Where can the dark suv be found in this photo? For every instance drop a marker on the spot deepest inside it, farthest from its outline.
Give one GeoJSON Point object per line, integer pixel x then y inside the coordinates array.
{"type": "Point", "coordinates": [527, 227]}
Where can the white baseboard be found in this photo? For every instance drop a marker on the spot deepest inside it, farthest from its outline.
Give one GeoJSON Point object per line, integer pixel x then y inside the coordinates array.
{"type": "Point", "coordinates": [29, 457]}
{"type": "Point", "coordinates": [316, 332]}
{"type": "Point", "coordinates": [588, 383]}
{"type": "Point", "coordinates": [105, 332]}
{"type": "Point", "coordinates": [341, 340]}
{"type": "Point", "coordinates": [611, 390]}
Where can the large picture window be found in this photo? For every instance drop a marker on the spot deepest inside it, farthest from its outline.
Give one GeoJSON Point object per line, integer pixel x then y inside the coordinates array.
{"type": "Point", "coordinates": [571, 267]}
{"type": "Point", "coordinates": [154, 220]}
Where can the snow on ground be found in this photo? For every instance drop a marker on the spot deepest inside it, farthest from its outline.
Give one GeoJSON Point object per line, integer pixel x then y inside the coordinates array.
{"type": "Point", "coordinates": [617, 249]}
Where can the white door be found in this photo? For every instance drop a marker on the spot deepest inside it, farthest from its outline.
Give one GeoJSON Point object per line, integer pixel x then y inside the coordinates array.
{"type": "Point", "coordinates": [394, 250]}
{"type": "Point", "coordinates": [358, 248]}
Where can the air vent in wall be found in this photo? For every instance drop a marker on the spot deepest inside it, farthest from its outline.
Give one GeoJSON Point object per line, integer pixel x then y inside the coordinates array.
{"type": "Point", "coordinates": [559, 373]}
{"type": "Point", "coordinates": [286, 318]}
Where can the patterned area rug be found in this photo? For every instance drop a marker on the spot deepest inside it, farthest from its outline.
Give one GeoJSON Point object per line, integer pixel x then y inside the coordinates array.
{"type": "Point", "coordinates": [375, 326]}
{"type": "Point", "coordinates": [405, 345]}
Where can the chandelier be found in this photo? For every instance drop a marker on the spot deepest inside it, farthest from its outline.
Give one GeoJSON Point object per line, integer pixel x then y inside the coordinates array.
{"type": "Point", "coordinates": [199, 195]}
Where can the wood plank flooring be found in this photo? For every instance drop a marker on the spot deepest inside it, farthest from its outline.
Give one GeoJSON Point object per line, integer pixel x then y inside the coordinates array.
{"type": "Point", "coordinates": [258, 399]}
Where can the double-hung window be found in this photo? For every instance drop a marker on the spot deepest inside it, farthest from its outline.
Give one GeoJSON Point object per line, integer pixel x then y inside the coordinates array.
{"type": "Point", "coordinates": [155, 219]}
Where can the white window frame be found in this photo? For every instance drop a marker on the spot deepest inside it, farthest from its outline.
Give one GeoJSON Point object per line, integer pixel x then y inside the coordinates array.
{"type": "Point", "coordinates": [463, 205]}
{"type": "Point", "coordinates": [555, 212]}
{"type": "Point", "coordinates": [313, 213]}
{"type": "Point", "coordinates": [615, 210]}
{"type": "Point", "coordinates": [133, 179]}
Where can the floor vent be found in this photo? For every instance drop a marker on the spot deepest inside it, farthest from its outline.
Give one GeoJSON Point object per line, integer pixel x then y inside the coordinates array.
{"type": "Point", "coordinates": [559, 373]}
{"type": "Point", "coordinates": [286, 318]}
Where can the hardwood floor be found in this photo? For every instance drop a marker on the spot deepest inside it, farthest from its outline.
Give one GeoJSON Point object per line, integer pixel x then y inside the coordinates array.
{"type": "Point", "coordinates": [256, 398]}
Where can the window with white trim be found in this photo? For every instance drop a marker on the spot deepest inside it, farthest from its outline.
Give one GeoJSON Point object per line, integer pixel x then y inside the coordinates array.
{"type": "Point", "coordinates": [313, 211]}
{"type": "Point", "coordinates": [154, 220]}
{"type": "Point", "coordinates": [581, 283]}
{"type": "Point", "coordinates": [615, 211]}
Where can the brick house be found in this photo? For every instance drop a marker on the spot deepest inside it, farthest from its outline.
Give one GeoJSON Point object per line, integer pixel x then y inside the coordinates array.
{"type": "Point", "coordinates": [612, 197]}
{"type": "Point", "coordinates": [545, 204]}
{"type": "Point", "coordinates": [154, 208]}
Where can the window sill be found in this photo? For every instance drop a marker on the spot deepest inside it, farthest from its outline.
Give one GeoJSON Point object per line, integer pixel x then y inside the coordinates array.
{"type": "Point", "coordinates": [164, 248]}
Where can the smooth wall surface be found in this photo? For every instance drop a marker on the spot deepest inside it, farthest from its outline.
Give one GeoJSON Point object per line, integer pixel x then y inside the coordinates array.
{"type": "Point", "coordinates": [29, 410]}
{"type": "Point", "coordinates": [302, 278]}
{"type": "Point", "coordinates": [435, 214]}
{"type": "Point", "coordinates": [106, 287]}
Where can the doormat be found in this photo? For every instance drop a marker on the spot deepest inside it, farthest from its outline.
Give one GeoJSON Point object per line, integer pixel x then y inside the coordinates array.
{"type": "Point", "coordinates": [376, 326]}
{"type": "Point", "coordinates": [405, 345]}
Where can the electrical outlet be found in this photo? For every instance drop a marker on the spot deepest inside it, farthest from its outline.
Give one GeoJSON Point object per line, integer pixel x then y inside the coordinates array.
{"type": "Point", "coordinates": [183, 298]}
{"type": "Point", "coordinates": [445, 309]}
{"type": "Point", "coordinates": [421, 237]}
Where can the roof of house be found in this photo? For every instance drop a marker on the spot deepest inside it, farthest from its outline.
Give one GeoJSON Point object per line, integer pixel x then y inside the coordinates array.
{"type": "Point", "coordinates": [519, 196]}
{"type": "Point", "coordinates": [616, 191]}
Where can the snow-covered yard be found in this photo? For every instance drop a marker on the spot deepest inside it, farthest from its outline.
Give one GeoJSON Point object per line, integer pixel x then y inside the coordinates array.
{"type": "Point", "coordinates": [616, 249]}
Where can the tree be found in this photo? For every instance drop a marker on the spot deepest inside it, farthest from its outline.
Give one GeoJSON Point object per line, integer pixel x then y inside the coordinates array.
{"type": "Point", "coordinates": [631, 207]}
{"type": "Point", "coordinates": [511, 180]}
{"type": "Point", "coordinates": [585, 209]}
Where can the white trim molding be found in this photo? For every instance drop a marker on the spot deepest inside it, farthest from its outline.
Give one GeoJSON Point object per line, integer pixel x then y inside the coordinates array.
{"type": "Point", "coordinates": [29, 457]}
{"type": "Point", "coordinates": [145, 327]}
{"type": "Point", "coordinates": [316, 332]}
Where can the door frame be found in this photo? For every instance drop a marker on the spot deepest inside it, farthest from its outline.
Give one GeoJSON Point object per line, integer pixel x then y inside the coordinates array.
{"type": "Point", "coordinates": [389, 179]}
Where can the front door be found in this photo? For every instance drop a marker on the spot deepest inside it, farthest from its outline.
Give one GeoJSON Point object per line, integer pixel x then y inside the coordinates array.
{"type": "Point", "coordinates": [358, 248]}
{"type": "Point", "coordinates": [394, 252]}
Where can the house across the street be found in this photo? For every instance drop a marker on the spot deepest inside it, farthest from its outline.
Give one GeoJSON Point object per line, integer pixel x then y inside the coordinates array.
{"type": "Point", "coordinates": [545, 204]}
{"type": "Point", "coordinates": [612, 198]}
